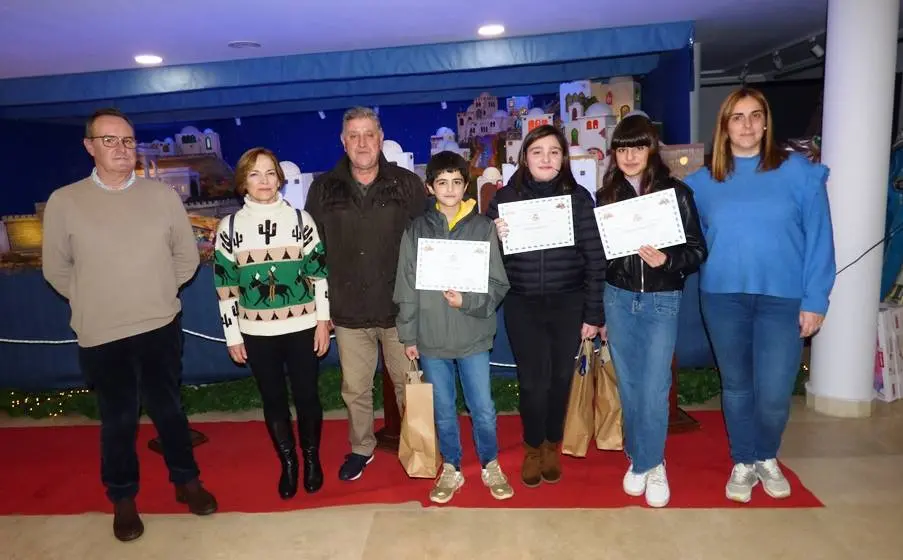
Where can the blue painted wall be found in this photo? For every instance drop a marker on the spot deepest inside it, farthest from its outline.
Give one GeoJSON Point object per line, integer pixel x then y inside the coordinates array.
{"type": "Point", "coordinates": [37, 158]}
{"type": "Point", "coordinates": [666, 94]}
{"type": "Point", "coordinates": [46, 156]}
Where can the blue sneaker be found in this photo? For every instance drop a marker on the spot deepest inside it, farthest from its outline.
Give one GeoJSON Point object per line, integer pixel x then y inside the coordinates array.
{"type": "Point", "coordinates": [353, 467]}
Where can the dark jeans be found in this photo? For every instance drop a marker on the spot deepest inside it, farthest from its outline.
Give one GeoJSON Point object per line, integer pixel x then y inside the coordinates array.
{"type": "Point", "coordinates": [544, 332]}
{"type": "Point", "coordinates": [758, 349]}
{"type": "Point", "coordinates": [124, 373]}
{"type": "Point", "coordinates": [270, 358]}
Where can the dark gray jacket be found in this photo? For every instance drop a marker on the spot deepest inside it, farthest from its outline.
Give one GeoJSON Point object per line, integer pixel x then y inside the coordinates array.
{"type": "Point", "coordinates": [424, 318]}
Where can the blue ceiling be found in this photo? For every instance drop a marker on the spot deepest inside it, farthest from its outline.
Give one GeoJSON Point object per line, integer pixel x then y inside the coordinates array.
{"type": "Point", "coordinates": [390, 76]}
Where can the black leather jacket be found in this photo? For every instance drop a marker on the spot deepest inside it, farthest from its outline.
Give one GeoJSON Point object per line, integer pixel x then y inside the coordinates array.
{"type": "Point", "coordinates": [632, 273]}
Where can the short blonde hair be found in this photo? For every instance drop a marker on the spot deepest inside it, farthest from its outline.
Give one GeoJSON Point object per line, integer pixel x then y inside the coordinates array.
{"type": "Point", "coordinates": [246, 163]}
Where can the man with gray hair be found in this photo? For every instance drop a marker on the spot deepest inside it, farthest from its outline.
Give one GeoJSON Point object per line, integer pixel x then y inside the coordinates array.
{"type": "Point", "coordinates": [361, 208]}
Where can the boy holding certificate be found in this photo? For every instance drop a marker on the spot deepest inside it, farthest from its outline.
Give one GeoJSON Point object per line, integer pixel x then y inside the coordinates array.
{"type": "Point", "coordinates": [450, 280]}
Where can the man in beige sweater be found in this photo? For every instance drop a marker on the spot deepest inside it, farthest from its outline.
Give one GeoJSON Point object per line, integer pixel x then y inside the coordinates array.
{"type": "Point", "coordinates": [119, 247]}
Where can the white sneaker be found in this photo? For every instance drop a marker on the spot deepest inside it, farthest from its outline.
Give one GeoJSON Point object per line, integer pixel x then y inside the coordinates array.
{"type": "Point", "coordinates": [450, 481]}
{"type": "Point", "coordinates": [658, 494]}
{"type": "Point", "coordinates": [634, 484]}
{"type": "Point", "coordinates": [773, 480]}
{"type": "Point", "coordinates": [739, 486]}
{"type": "Point", "coordinates": [496, 481]}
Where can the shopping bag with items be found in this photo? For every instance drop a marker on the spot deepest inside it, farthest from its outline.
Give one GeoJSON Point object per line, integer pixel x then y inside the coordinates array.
{"type": "Point", "coordinates": [418, 447]}
{"type": "Point", "coordinates": [578, 423]}
{"type": "Point", "coordinates": [609, 422]}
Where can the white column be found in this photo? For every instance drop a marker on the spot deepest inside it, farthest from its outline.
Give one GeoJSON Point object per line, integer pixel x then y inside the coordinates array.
{"type": "Point", "coordinates": [860, 63]}
{"type": "Point", "coordinates": [694, 95]}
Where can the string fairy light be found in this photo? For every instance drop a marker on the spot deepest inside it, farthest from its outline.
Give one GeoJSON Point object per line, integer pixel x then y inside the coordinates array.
{"type": "Point", "coordinates": [41, 405]}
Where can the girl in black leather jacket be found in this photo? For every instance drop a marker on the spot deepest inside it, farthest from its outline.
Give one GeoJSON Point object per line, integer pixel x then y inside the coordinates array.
{"type": "Point", "coordinates": [642, 301]}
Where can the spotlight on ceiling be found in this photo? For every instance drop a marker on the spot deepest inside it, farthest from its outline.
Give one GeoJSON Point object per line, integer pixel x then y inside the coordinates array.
{"type": "Point", "coordinates": [148, 59]}
{"type": "Point", "coordinates": [817, 50]}
{"type": "Point", "coordinates": [491, 30]}
{"type": "Point", "coordinates": [776, 60]}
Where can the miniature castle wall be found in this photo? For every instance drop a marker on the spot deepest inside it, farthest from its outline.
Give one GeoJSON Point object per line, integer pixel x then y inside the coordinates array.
{"type": "Point", "coordinates": [24, 233]}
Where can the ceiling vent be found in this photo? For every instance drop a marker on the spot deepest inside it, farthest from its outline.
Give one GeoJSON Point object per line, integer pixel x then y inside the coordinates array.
{"type": "Point", "coordinates": [244, 44]}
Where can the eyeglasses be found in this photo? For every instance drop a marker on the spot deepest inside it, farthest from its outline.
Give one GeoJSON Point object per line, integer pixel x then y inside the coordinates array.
{"type": "Point", "coordinates": [111, 141]}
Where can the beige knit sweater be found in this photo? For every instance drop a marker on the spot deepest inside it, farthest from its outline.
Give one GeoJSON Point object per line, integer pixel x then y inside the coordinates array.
{"type": "Point", "coordinates": [118, 256]}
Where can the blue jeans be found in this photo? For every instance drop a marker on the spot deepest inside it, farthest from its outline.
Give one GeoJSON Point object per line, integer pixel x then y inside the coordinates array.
{"type": "Point", "coordinates": [474, 371]}
{"type": "Point", "coordinates": [642, 332]}
{"type": "Point", "coordinates": [757, 346]}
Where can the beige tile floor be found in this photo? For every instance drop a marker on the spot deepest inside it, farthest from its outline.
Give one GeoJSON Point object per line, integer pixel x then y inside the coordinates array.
{"type": "Point", "coordinates": [854, 466]}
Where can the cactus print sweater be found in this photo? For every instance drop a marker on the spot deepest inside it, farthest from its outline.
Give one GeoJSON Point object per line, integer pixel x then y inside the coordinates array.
{"type": "Point", "coordinates": [270, 274]}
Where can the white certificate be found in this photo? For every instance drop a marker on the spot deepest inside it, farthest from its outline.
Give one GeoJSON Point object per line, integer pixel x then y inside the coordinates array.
{"type": "Point", "coordinates": [652, 219]}
{"type": "Point", "coordinates": [539, 223]}
{"type": "Point", "coordinates": [445, 264]}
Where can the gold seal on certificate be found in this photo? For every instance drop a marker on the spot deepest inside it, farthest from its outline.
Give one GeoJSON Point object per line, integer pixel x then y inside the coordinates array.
{"type": "Point", "coordinates": [651, 219]}
{"type": "Point", "coordinates": [538, 223]}
{"type": "Point", "coordinates": [447, 264]}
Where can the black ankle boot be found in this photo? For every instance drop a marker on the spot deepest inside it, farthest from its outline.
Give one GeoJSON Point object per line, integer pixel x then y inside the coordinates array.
{"type": "Point", "coordinates": [284, 442]}
{"type": "Point", "coordinates": [309, 432]}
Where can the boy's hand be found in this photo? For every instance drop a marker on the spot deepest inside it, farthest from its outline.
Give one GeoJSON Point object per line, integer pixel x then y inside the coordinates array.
{"type": "Point", "coordinates": [411, 352]}
{"type": "Point", "coordinates": [453, 298]}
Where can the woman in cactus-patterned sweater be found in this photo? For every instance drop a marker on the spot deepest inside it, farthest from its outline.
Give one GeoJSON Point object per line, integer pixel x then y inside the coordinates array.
{"type": "Point", "coordinates": [270, 276]}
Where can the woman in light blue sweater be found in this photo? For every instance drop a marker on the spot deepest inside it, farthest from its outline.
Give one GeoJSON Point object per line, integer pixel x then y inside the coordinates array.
{"type": "Point", "coordinates": [765, 285]}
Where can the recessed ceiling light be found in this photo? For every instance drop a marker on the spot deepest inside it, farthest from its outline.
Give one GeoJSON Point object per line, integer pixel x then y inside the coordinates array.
{"type": "Point", "coordinates": [148, 59]}
{"type": "Point", "coordinates": [243, 44]}
{"type": "Point", "coordinates": [491, 30]}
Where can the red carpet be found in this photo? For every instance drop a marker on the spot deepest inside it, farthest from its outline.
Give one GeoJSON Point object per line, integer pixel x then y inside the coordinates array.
{"type": "Point", "coordinates": [47, 471]}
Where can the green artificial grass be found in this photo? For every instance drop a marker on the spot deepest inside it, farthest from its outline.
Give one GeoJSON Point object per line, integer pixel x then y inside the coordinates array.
{"type": "Point", "coordinates": [695, 386]}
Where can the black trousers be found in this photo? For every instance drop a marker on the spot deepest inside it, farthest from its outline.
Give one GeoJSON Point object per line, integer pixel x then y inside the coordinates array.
{"type": "Point", "coordinates": [544, 332]}
{"type": "Point", "coordinates": [271, 358]}
{"type": "Point", "coordinates": [124, 373]}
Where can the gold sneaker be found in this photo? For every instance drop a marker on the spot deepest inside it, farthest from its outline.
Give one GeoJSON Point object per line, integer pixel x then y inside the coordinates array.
{"type": "Point", "coordinates": [450, 481]}
{"type": "Point", "coordinates": [496, 481]}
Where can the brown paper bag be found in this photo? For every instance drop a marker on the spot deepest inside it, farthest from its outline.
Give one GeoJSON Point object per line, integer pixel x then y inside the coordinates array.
{"type": "Point", "coordinates": [609, 421]}
{"type": "Point", "coordinates": [418, 447]}
{"type": "Point", "coordinates": [578, 423]}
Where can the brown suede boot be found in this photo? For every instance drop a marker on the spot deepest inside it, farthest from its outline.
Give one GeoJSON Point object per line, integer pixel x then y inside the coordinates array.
{"type": "Point", "coordinates": [530, 473]}
{"type": "Point", "coordinates": [550, 462]}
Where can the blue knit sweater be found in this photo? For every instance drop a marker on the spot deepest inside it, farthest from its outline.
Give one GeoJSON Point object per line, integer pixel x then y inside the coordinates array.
{"type": "Point", "coordinates": [768, 233]}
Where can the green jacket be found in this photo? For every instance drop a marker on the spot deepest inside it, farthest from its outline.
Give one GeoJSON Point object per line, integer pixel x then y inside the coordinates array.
{"type": "Point", "coordinates": [425, 319]}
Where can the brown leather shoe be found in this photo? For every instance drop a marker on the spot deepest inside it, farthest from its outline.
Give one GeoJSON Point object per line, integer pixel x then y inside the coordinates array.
{"type": "Point", "coordinates": [127, 525]}
{"type": "Point", "coordinates": [531, 469]}
{"type": "Point", "coordinates": [550, 461]}
{"type": "Point", "coordinates": [199, 500]}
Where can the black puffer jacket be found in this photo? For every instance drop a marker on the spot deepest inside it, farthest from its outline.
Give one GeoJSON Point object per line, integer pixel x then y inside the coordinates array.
{"type": "Point", "coordinates": [632, 273]}
{"type": "Point", "coordinates": [564, 269]}
{"type": "Point", "coordinates": [362, 235]}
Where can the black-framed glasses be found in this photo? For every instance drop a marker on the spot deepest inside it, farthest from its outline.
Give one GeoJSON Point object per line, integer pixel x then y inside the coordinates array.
{"type": "Point", "coordinates": [111, 141]}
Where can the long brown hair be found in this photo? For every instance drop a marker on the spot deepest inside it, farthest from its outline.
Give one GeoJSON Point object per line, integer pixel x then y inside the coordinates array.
{"type": "Point", "coordinates": [632, 132]}
{"type": "Point", "coordinates": [770, 156]}
{"type": "Point", "coordinates": [564, 182]}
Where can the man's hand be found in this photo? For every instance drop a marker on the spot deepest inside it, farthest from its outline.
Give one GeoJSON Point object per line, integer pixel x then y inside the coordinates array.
{"type": "Point", "coordinates": [411, 352]}
{"type": "Point", "coordinates": [238, 353]}
{"type": "Point", "coordinates": [589, 331]}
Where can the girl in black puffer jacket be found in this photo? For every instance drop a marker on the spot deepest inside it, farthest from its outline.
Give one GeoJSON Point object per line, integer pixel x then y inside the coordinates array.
{"type": "Point", "coordinates": [555, 299]}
